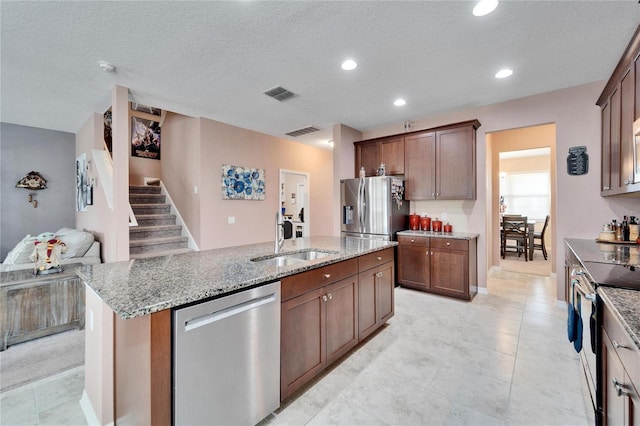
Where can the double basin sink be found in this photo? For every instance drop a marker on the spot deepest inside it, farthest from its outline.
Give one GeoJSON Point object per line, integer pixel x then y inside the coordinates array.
{"type": "Point", "coordinates": [287, 259]}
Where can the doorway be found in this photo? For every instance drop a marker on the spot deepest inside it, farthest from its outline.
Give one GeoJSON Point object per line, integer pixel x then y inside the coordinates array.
{"type": "Point", "coordinates": [527, 153]}
{"type": "Point", "coordinates": [294, 200]}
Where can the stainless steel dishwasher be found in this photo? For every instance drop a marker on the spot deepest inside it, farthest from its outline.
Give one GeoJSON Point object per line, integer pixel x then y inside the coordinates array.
{"type": "Point", "coordinates": [226, 367]}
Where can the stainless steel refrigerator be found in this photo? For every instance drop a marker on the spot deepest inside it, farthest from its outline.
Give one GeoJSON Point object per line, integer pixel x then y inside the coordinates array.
{"type": "Point", "coordinates": [373, 207]}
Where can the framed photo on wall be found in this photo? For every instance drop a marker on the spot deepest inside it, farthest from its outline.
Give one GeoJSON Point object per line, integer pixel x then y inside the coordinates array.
{"type": "Point", "coordinates": [145, 138]}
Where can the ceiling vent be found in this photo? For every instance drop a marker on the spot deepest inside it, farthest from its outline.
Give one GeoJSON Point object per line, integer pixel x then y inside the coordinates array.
{"type": "Point", "coordinates": [303, 131]}
{"type": "Point", "coordinates": [279, 93]}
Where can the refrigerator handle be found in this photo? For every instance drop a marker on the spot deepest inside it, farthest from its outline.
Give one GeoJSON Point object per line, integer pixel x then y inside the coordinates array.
{"type": "Point", "coordinates": [362, 196]}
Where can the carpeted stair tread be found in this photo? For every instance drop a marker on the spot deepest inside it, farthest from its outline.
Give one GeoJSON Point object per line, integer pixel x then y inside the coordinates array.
{"type": "Point", "coordinates": [147, 198]}
{"type": "Point", "coordinates": [150, 208]}
{"type": "Point", "coordinates": [144, 189]}
{"type": "Point", "coordinates": [159, 253]}
{"type": "Point", "coordinates": [157, 241]}
{"type": "Point", "coordinates": [156, 219]}
{"type": "Point", "coordinates": [146, 232]}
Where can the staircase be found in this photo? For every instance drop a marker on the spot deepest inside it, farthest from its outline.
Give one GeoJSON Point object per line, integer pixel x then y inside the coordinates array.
{"type": "Point", "coordinates": [157, 233]}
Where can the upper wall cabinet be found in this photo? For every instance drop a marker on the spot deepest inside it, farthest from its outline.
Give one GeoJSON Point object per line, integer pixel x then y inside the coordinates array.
{"type": "Point", "coordinates": [620, 108]}
{"type": "Point", "coordinates": [389, 150]}
{"type": "Point", "coordinates": [438, 163]}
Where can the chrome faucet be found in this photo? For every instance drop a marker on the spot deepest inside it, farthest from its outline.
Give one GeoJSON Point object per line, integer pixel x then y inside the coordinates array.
{"type": "Point", "coordinates": [279, 232]}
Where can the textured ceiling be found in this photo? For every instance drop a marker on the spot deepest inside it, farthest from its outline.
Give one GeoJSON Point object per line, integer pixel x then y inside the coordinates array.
{"type": "Point", "coordinates": [214, 59]}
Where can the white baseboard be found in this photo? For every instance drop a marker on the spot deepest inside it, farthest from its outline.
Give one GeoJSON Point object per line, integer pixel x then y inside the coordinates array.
{"type": "Point", "coordinates": [88, 411]}
{"type": "Point", "coordinates": [483, 290]}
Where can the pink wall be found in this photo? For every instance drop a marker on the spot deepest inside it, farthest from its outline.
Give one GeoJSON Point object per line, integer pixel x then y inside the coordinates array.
{"type": "Point", "coordinates": [199, 147]}
{"type": "Point", "coordinates": [343, 164]}
{"type": "Point", "coordinates": [577, 120]}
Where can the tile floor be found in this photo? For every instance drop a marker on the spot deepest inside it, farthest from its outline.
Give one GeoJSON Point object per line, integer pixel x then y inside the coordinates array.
{"type": "Point", "coordinates": [502, 359]}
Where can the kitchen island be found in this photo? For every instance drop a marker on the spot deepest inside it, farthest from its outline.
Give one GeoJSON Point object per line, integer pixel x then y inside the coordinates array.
{"type": "Point", "coordinates": [143, 293]}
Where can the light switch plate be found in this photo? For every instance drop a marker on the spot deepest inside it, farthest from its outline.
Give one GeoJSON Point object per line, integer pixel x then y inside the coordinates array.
{"type": "Point", "coordinates": [231, 220]}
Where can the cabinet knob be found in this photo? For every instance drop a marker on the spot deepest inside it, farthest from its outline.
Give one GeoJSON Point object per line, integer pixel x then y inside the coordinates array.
{"type": "Point", "coordinates": [329, 295]}
{"type": "Point", "coordinates": [620, 345]}
{"type": "Point", "coordinates": [379, 257]}
{"type": "Point", "coordinates": [413, 241]}
{"type": "Point", "coordinates": [327, 276]}
{"type": "Point", "coordinates": [379, 275]}
{"type": "Point", "coordinates": [448, 244]}
{"type": "Point", "coordinates": [324, 297]}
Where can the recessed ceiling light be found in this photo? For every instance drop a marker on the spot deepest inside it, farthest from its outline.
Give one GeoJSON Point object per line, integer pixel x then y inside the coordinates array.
{"type": "Point", "coordinates": [349, 65]}
{"type": "Point", "coordinates": [504, 73]}
{"type": "Point", "coordinates": [399, 102]}
{"type": "Point", "coordinates": [485, 7]}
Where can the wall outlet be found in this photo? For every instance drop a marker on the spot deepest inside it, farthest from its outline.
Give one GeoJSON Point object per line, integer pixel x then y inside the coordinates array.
{"type": "Point", "coordinates": [231, 220]}
{"type": "Point", "coordinates": [195, 189]}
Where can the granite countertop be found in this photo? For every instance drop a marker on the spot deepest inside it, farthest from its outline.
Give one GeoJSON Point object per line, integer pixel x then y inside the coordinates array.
{"type": "Point", "coordinates": [612, 253]}
{"type": "Point", "coordinates": [625, 305]}
{"type": "Point", "coordinates": [453, 235]}
{"type": "Point", "coordinates": [143, 286]}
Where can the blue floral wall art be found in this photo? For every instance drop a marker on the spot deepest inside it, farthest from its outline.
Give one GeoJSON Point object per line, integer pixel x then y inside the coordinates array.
{"type": "Point", "coordinates": [242, 183]}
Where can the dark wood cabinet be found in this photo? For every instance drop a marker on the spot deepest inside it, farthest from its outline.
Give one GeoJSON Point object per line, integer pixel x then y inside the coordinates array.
{"type": "Point", "coordinates": [389, 150]}
{"type": "Point", "coordinates": [445, 266]}
{"type": "Point", "coordinates": [413, 262]}
{"type": "Point", "coordinates": [620, 367]}
{"type": "Point", "coordinates": [441, 163]}
{"type": "Point", "coordinates": [620, 108]}
{"type": "Point", "coordinates": [318, 321]}
{"type": "Point", "coordinates": [376, 284]}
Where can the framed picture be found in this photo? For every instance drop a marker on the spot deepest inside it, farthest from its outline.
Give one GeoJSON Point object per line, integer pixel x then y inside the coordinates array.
{"type": "Point", "coordinates": [81, 183]}
{"type": "Point", "coordinates": [242, 183]}
{"type": "Point", "coordinates": [145, 138]}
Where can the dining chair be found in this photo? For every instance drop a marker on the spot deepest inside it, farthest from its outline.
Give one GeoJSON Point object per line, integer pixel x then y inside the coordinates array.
{"type": "Point", "coordinates": [514, 229]}
{"type": "Point", "coordinates": [538, 239]}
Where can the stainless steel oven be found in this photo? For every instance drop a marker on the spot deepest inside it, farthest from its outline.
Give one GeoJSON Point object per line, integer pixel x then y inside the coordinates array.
{"type": "Point", "coordinates": [585, 303]}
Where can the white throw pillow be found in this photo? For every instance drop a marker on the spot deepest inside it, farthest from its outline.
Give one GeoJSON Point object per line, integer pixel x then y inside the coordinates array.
{"type": "Point", "coordinates": [21, 252]}
{"type": "Point", "coordinates": [77, 242]}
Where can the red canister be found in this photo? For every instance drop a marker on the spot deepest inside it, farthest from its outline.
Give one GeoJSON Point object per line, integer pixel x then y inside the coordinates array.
{"type": "Point", "coordinates": [447, 228]}
{"type": "Point", "coordinates": [414, 222]}
{"type": "Point", "coordinates": [436, 225]}
{"type": "Point", "coordinates": [425, 223]}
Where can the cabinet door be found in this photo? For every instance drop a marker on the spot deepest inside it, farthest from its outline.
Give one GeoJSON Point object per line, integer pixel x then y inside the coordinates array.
{"type": "Point", "coordinates": [616, 181]}
{"type": "Point", "coordinates": [450, 267]}
{"type": "Point", "coordinates": [375, 298]}
{"type": "Point", "coordinates": [303, 341]}
{"type": "Point", "coordinates": [367, 307]}
{"type": "Point", "coordinates": [420, 160]}
{"type": "Point", "coordinates": [456, 164]}
{"type": "Point", "coordinates": [367, 156]}
{"type": "Point", "coordinates": [606, 147]}
{"type": "Point", "coordinates": [614, 405]}
{"type": "Point", "coordinates": [384, 293]}
{"type": "Point", "coordinates": [627, 104]}
{"type": "Point", "coordinates": [341, 302]}
{"type": "Point", "coordinates": [392, 155]}
{"type": "Point", "coordinates": [637, 88]}
{"type": "Point", "coordinates": [413, 266]}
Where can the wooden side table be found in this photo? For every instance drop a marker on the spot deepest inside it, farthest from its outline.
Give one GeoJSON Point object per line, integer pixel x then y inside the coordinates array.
{"type": "Point", "coordinates": [33, 306]}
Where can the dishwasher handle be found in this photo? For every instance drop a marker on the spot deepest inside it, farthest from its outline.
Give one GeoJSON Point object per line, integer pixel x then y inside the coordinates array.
{"type": "Point", "coordinates": [203, 320]}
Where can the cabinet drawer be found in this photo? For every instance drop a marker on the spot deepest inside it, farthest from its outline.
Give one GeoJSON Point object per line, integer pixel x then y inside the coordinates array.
{"type": "Point", "coordinates": [304, 282]}
{"type": "Point", "coordinates": [413, 240]}
{"type": "Point", "coordinates": [449, 243]}
{"type": "Point", "coordinates": [621, 341]}
{"type": "Point", "coordinates": [372, 260]}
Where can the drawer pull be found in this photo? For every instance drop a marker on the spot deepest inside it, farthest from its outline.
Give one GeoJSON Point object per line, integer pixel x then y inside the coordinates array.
{"type": "Point", "coordinates": [620, 345]}
{"type": "Point", "coordinates": [379, 257]}
{"type": "Point", "coordinates": [413, 241]}
{"type": "Point", "coordinates": [324, 297]}
{"type": "Point", "coordinates": [327, 276]}
{"type": "Point", "coordinates": [621, 389]}
{"type": "Point", "coordinates": [329, 296]}
{"type": "Point", "coordinates": [379, 274]}
{"type": "Point", "coordinates": [448, 244]}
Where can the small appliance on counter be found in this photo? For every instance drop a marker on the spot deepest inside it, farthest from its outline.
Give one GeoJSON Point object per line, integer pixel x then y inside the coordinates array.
{"type": "Point", "coordinates": [373, 207]}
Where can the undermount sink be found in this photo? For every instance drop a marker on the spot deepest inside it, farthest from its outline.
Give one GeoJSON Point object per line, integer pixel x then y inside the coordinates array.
{"type": "Point", "coordinates": [286, 259]}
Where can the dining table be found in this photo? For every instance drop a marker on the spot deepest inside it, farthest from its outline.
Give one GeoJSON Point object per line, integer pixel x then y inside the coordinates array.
{"type": "Point", "coordinates": [531, 224]}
